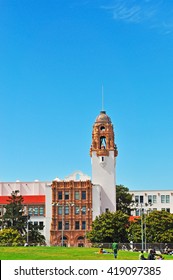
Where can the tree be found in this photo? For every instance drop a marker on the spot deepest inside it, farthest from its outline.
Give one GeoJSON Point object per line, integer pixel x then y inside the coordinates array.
{"type": "Point", "coordinates": [13, 217]}
{"type": "Point", "coordinates": [109, 227]}
{"type": "Point", "coordinates": [34, 235]}
{"type": "Point", "coordinates": [10, 237]}
{"type": "Point", "coordinates": [159, 227]}
{"type": "Point", "coordinates": [134, 230]}
{"type": "Point", "coordinates": [123, 199]}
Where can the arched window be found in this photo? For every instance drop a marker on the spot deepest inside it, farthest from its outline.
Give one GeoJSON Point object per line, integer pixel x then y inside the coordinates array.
{"type": "Point", "coordinates": [102, 142]}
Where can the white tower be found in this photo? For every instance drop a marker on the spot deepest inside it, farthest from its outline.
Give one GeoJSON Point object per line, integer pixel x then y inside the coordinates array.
{"type": "Point", "coordinates": [103, 154]}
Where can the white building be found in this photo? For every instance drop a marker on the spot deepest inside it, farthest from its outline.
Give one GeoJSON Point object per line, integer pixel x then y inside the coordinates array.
{"type": "Point", "coordinates": [161, 200]}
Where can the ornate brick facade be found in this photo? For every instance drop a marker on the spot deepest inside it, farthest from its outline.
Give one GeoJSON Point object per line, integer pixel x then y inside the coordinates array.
{"type": "Point", "coordinates": [71, 212]}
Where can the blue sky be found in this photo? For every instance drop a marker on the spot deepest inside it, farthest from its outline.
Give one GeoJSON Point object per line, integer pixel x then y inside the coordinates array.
{"type": "Point", "coordinates": [54, 58]}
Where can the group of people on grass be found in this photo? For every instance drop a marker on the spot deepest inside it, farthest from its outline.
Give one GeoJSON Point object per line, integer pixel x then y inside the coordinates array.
{"type": "Point", "coordinates": [151, 256]}
{"type": "Point", "coordinates": [114, 248]}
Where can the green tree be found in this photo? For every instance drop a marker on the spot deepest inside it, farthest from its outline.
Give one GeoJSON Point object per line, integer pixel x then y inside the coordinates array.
{"type": "Point", "coordinates": [159, 227]}
{"type": "Point", "coordinates": [109, 227]}
{"type": "Point", "coordinates": [13, 217]}
{"type": "Point", "coordinates": [10, 237]}
{"type": "Point", "coordinates": [34, 235]}
{"type": "Point", "coordinates": [123, 199]}
{"type": "Point", "coordinates": [134, 230]}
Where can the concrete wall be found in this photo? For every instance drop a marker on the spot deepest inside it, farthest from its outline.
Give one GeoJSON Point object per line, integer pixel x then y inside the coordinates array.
{"type": "Point", "coordinates": [103, 174]}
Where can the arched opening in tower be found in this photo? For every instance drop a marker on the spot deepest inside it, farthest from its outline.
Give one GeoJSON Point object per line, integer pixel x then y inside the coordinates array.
{"type": "Point", "coordinates": [102, 142]}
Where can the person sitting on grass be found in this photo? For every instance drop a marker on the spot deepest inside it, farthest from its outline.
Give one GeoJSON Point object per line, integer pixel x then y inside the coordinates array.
{"type": "Point", "coordinates": [159, 257]}
{"type": "Point", "coordinates": [151, 255]}
{"type": "Point", "coordinates": [101, 251]}
{"type": "Point", "coordinates": [141, 256]}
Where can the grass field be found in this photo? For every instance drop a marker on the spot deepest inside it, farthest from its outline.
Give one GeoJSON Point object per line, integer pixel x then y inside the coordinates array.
{"type": "Point", "coordinates": [63, 253]}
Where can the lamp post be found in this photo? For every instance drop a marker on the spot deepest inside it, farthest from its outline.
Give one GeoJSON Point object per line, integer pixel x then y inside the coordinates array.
{"type": "Point", "coordinates": [142, 208]}
{"type": "Point", "coordinates": [62, 232]}
{"type": "Point", "coordinates": [27, 223]}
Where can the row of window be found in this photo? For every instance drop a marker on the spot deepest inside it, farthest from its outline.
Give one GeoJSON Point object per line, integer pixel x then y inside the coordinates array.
{"type": "Point", "coordinates": [66, 195]}
{"type": "Point", "coordinates": [36, 210]}
{"type": "Point", "coordinates": [65, 209]}
{"type": "Point", "coordinates": [31, 210]}
{"type": "Point", "coordinates": [40, 225]}
{"type": "Point", "coordinates": [152, 198]}
{"type": "Point", "coordinates": [78, 225]}
{"type": "Point", "coordinates": [138, 211]}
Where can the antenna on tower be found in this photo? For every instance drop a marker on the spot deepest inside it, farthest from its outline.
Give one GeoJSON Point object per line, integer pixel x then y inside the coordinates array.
{"type": "Point", "coordinates": [102, 98]}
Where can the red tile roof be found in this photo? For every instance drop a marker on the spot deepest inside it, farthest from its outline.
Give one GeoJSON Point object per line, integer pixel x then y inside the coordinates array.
{"type": "Point", "coordinates": [28, 199]}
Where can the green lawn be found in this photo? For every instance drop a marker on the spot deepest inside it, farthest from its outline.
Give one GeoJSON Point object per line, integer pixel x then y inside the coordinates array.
{"type": "Point", "coordinates": [63, 253]}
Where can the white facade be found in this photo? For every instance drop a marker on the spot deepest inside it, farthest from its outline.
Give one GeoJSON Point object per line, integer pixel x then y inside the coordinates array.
{"type": "Point", "coordinates": [76, 176]}
{"type": "Point", "coordinates": [24, 188]}
{"type": "Point", "coordinates": [96, 201]}
{"type": "Point", "coordinates": [32, 189]}
{"type": "Point", "coordinates": [103, 174]}
{"type": "Point", "coordinates": [152, 200]}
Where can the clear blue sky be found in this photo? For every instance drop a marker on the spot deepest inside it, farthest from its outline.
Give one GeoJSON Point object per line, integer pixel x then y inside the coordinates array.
{"type": "Point", "coordinates": [54, 58]}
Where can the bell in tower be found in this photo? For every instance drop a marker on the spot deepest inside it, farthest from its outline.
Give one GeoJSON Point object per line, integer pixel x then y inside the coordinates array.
{"type": "Point", "coordinates": [103, 154]}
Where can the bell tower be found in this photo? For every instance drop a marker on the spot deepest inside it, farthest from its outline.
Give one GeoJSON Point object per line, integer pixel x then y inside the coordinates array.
{"type": "Point", "coordinates": [103, 154]}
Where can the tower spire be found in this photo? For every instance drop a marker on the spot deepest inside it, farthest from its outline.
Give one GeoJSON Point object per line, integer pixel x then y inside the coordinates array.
{"type": "Point", "coordinates": [102, 98]}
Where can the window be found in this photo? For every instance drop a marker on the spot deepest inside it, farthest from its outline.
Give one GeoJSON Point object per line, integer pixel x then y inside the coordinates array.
{"type": "Point", "coordinates": [137, 212]}
{"type": "Point", "coordinates": [59, 195]}
{"type": "Point", "coordinates": [167, 199]}
{"type": "Point", "coordinates": [102, 142]}
{"type": "Point", "coordinates": [136, 198]}
{"type": "Point", "coordinates": [168, 210]}
{"type": "Point", "coordinates": [83, 194]}
{"type": "Point", "coordinates": [30, 211]}
{"type": "Point", "coordinates": [59, 210]}
{"type": "Point", "coordinates": [83, 224]}
{"type": "Point", "coordinates": [41, 211]}
{"type": "Point", "coordinates": [154, 198]}
{"type": "Point", "coordinates": [66, 195]}
{"type": "Point", "coordinates": [77, 195]}
{"type": "Point", "coordinates": [66, 210]}
{"type": "Point", "coordinates": [35, 225]}
{"type": "Point", "coordinates": [77, 210]}
{"type": "Point", "coordinates": [150, 199]}
{"type": "Point", "coordinates": [35, 211]}
{"type": "Point", "coordinates": [41, 225]}
{"type": "Point", "coordinates": [67, 225]}
{"type": "Point", "coordinates": [77, 225]}
{"type": "Point", "coordinates": [141, 198]}
{"type": "Point", "coordinates": [59, 225]}
{"type": "Point", "coordinates": [162, 198]}
{"type": "Point", "coordinates": [83, 210]}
